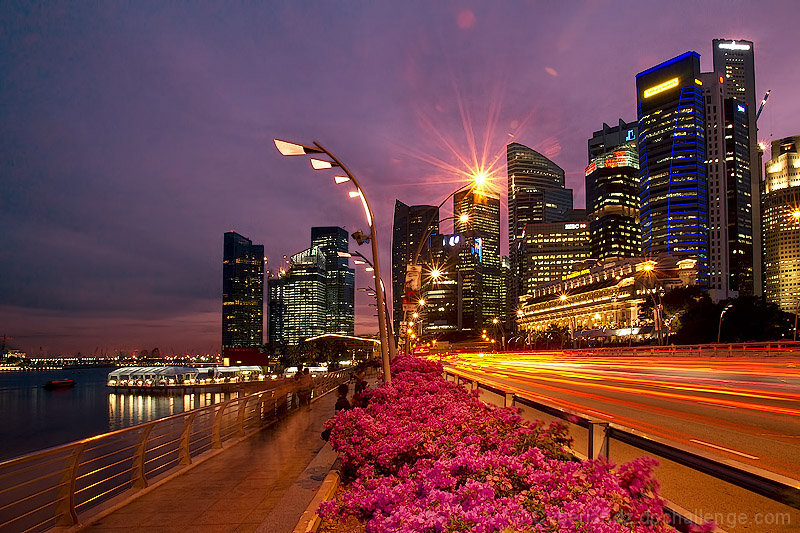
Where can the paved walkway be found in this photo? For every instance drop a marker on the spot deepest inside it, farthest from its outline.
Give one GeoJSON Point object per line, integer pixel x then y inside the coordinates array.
{"type": "Point", "coordinates": [261, 484]}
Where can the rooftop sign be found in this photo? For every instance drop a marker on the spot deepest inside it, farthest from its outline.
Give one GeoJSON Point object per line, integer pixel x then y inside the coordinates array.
{"type": "Point", "coordinates": [733, 46]}
{"type": "Point", "coordinates": [661, 87]}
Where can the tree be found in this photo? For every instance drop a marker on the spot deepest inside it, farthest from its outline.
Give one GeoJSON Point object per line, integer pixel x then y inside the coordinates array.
{"type": "Point", "coordinates": [752, 319]}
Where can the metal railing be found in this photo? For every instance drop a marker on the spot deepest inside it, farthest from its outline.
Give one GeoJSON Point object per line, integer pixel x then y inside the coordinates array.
{"type": "Point", "coordinates": [600, 434]}
{"type": "Point", "coordinates": [770, 349]}
{"type": "Point", "coordinates": [51, 488]}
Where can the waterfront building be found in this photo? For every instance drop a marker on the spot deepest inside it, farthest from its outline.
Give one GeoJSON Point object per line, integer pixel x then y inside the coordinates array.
{"type": "Point", "coordinates": [781, 203]}
{"type": "Point", "coordinates": [552, 249]}
{"type": "Point", "coordinates": [411, 225]}
{"type": "Point", "coordinates": [536, 194]}
{"type": "Point", "coordinates": [612, 201]}
{"type": "Point", "coordinates": [604, 300]}
{"type": "Point", "coordinates": [305, 296]}
{"type": "Point", "coordinates": [242, 292]}
{"type": "Point", "coordinates": [341, 279]}
{"type": "Point", "coordinates": [479, 258]}
{"type": "Point", "coordinates": [735, 61]}
{"type": "Point", "coordinates": [729, 198]}
{"type": "Point", "coordinates": [673, 188]}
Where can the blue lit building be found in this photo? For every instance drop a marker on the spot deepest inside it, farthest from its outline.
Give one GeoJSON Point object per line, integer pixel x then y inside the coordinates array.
{"type": "Point", "coordinates": [673, 186]}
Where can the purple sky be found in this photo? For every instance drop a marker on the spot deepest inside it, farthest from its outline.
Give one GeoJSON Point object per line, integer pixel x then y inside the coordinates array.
{"type": "Point", "coordinates": [133, 135]}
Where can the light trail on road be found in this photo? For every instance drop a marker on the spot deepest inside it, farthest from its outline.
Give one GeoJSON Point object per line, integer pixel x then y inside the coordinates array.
{"type": "Point", "coordinates": [738, 408]}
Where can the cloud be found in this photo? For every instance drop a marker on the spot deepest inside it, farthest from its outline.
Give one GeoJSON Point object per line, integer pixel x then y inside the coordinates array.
{"type": "Point", "coordinates": [550, 70]}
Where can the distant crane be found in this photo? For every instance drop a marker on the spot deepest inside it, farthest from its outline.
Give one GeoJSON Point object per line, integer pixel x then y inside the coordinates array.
{"type": "Point", "coordinates": [763, 102]}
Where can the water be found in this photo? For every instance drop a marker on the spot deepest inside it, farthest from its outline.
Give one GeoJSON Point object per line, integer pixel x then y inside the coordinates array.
{"type": "Point", "coordinates": [32, 418]}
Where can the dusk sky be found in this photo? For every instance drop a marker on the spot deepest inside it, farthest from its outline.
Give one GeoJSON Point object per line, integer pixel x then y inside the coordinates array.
{"type": "Point", "coordinates": [133, 135]}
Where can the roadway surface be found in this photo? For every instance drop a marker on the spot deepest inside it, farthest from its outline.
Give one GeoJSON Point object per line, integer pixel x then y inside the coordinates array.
{"type": "Point", "coordinates": [733, 409]}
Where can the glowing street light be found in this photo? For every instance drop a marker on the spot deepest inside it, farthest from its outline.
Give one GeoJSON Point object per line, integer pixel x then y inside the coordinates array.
{"type": "Point", "coordinates": [290, 149]}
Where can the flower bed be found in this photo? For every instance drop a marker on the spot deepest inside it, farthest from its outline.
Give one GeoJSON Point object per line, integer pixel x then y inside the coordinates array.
{"type": "Point", "coordinates": [427, 456]}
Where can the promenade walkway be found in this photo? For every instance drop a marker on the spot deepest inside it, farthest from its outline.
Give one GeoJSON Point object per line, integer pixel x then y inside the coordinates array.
{"type": "Point", "coordinates": [263, 483]}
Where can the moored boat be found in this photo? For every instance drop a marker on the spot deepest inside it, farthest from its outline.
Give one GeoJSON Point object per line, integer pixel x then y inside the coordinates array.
{"type": "Point", "coordinates": [59, 384]}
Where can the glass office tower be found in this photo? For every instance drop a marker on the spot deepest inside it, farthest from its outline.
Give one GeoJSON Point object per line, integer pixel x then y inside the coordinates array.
{"type": "Point", "coordinates": [673, 188]}
{"type": "Point", "coordinates": [242, 292]}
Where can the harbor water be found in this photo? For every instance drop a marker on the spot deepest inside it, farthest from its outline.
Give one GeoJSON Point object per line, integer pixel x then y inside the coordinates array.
{"type": "Point", "coordinates": [33, 418]}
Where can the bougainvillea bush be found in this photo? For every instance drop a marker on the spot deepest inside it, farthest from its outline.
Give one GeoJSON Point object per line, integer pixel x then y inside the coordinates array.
{"type": "Point", "coordinates": [427, 456]}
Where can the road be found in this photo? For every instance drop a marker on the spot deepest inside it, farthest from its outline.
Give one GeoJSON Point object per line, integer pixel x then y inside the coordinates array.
{"type": "Point", "coordinates": [744, 409]}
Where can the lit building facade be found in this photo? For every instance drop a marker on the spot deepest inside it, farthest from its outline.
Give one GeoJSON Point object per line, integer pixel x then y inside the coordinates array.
{"type": "Point", "coordinates": [341, 279]}
{"type": "Point", "coordinates": [479, 258]}
{"type": "Point", "coordinates": [305, 297]}
{"type": "Point", "coordinates": [729, 194]}
{"type": "Point", "coordinates": [536, 194]}
{"type": "Point", "coordinates": [611, 138]}
{"type": "Point", "coordinates": [605, 300]}
{"type": "Point", "coordinates": [242, 292]}
{"type": "Point", "coordinates": [276, 309]}
{"type": "Point", "coordinates": [735, 61]}
{"type": "Point", "coordinates": [612, 203]}
{"type": "Point", "coordinates": [411, 225]}
{"type": "Point", "coordinates": [552, 250]}
{"type": "Point", "coordinates": [781, 204]}
{"type": "Point", "coordinates": [442, 285]}
{"type": "Point", "coordinates": [673, 187]}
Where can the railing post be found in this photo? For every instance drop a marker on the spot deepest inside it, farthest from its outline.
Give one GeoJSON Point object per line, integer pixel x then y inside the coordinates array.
{"type": "Point", "coordinates": [259, 405]}
{"type": "Point", "coordinates": [138, 476]}
{"type": "Point", "coordinates": [240, 416]}
{"type": "Point", "coordinates": [65, 499]}
{"type": "Point", "coordinates": [216, 428]}
{"type": "Point", "coordinates": [474, 384]}
{"type": "Point", "coordinates": [509, 400]}
{"type": "Point", "coordinates": [456, 380]}
{"type": "Point", "coordinates": [598, 440]}
{"type": "Point", "coordinates": [184, 453]}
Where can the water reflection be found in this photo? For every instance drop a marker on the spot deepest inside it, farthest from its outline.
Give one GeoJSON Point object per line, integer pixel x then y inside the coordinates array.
{"type": "Point", "coordinates": [128, 409]}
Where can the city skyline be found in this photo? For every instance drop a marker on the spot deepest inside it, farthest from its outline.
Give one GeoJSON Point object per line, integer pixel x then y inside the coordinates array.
{"type": "Point", "coordinates": [129, 134]}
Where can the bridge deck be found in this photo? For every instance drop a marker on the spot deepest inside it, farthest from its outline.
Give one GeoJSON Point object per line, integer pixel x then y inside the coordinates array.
{"type": "Point", "coordinates": [263, 483]}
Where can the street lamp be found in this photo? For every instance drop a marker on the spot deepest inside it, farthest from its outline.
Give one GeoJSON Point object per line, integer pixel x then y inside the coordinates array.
{"type": "Point", "coordinates": [369, 290]}
{"type": "Point", "coordinates": [288, 148]}
{"type": "Point", "coordinates": [719, 328]}
{"type": "Point", "coordinates": [497, 323]}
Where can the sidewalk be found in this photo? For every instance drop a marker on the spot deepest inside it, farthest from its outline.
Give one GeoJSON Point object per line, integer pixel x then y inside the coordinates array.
{"type": "Point", "coordinates": [261, 484]}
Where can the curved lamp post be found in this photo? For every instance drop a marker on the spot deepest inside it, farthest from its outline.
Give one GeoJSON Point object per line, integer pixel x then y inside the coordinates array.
{"type": "Point", "coordinates": [288, 148]}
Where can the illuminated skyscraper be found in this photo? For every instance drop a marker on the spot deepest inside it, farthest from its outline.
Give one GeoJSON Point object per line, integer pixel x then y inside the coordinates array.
{"type": "Point", "coordinates": [442, 290]}
{"type": "Point", "coordinates": [781, 202]}
{"type": "Point", "coordinates": [536, 194]}
{"type": "Point", "coordinates": [673, 189]}
{"type": "Point", "coordinates": [553, 249]}
{"type": "Point", "coordinates": [735, 61]}
{"type": "Point", "coordinates": [729, 198]}
{"type": "Point", "coordinates": [242, 292]}
{"type": "Point", "coordinates": [479, 262]}
{"type": "Point", "coordinates": [612, 192]}
{"type": "Point", "coordinates": [305, 297]}
{"type": "Point", "coordinates": [341, 278]}
{"type": "Point", "coordinates": [411, 224]}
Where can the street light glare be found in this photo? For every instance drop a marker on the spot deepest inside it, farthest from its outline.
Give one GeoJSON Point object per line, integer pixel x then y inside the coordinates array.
{"type": "Point", "coordinates": [287, 148]}
{"type": "Point", "coordinates": [563, 297]}
{"type": "Point", "coordinates": [421, 301]}
{"type": "Point", "coordinates": [436, 273]}
{"type": "Point", "coordinates": [796, 214]}
{"type": "Point", "coordinates": [464, 218]}
{"type": "Point", "coordinates": [480, 179]}
{"type": "Point", "coordinates": [320, 164]}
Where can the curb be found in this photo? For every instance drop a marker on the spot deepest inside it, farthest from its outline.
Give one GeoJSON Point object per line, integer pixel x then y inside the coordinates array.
{"type": "Point", "coordinates": [310, 520]}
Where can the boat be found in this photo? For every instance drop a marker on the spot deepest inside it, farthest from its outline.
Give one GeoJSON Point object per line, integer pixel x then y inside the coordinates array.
{"type": "Point", "coordinates": [59, 384]}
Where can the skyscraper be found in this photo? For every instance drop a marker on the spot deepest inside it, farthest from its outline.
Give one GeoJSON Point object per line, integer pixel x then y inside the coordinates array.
{"type": "Point", "coordinates": [411, 224]}
{"type": "Point", "coordinates": [612, 192]}
{"type": "Point", "coordinates": [442, 291]}
{"type": "Point", "coordinates": [536, 194]}
{"type": "Point", "coordinates": [242, 292]}
{"type": "Point", "coordinates": [552, 249]}
{"type": "Point", "coordinates": [781, 202]}
{"type": "Point", "coordinates": [735, 61]}
{"type": "Point", "coordinates": [479, 261]}
{"type": "Point", "coordinates": [728, 167]}
{"type": "Point", "coordinates": [673, 188]}
{"type": "Point", "coordinates": [305, 296]}
{"type": "Point", "coordinates": [341, 279]}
